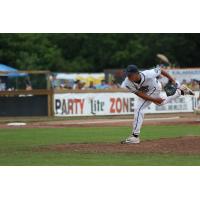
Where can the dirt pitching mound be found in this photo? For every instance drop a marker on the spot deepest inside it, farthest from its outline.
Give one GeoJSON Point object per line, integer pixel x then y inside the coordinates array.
{"type": "Point", "coordinates": [180, 145]}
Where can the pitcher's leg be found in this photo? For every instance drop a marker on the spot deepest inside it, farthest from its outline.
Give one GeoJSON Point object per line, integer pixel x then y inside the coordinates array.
{"type": "Point", "coordinates": [139, 117]}
{"type": "Point", "coordinates": [137, 123]}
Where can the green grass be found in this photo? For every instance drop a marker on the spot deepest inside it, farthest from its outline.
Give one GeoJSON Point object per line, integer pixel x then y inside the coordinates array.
{"type": "Point", "coordinates": [16, 146]}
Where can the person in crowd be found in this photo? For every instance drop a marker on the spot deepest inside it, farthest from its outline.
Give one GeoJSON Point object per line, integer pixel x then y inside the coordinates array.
{"type": "Point", "coordinates": [103, 85]}
{"type": "Point", "coordinates": [62, 86]}
{"type": "Point", "coordinates": [184, 82]}
{"type": "Point", "coordinates": [79, 85]}
{"type": "Point", "coordinates": [2, 85]}
{"type": "Point", "coordinates": [192, 84]}
{"type": "Point", "coordinates": [113, 84]}
{"type": "Point", "coordinates": [28, 85]}
{"type": "Point", "coordinates": [53, 81]}
{"type": "Point", "coordinates": [11, 89]}
{"type": "Point", "coordinates": [91, 85]}
{"type": "Point", "coordinates": [76, 85]}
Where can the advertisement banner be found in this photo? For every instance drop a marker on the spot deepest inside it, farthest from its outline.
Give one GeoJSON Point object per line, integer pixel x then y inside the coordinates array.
{"type": "Point", "coordinates": [181, 104]}
{"type": "Point", "coordinates": [119, 103]}
{"type": "Point", "coordinates": [86, 104]}
{"type": "Point", "coordinates": [185, 74]}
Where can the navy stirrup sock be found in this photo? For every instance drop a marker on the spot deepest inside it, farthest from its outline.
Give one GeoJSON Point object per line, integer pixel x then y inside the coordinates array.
{"type": "Point", "coordinates": [135, 135]}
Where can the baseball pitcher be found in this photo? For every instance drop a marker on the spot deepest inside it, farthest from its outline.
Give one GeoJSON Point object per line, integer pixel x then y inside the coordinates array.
{"type": "Point", "coordinates": [146, 86]}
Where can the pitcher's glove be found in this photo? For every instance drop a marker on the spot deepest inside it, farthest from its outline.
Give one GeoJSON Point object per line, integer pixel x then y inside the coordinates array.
{"type": "Point", "coordinates": [170, 88]}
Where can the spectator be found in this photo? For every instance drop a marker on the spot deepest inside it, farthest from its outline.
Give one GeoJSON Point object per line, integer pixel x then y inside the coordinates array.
{"type": "Point", "coordinates": [62, 86]}
{"type": "Point", "coordinates": [195, 85]}
{"type": "Point", "coordinates": [2, 85]}
{"type": "Point", "coordinates": [28, 87]}
{"type": "Point", "coordinates": [79, 85]}
{"type": "Point", "coordinates": [91, 85]}
{"type": "Point", "coordinates": [28, 84]}
{"type": "Point", "coordinates": [11, 89]}
{"type": "Point", "coordinates": [83, 86]}
{"type": "Point", "coordinates": [192, 84]}
{"type": "Point", "coordinates": [184, 82]}
{"type": "Point", "coordinates": [53, 81]}
{"type": "Point", "coordinates": [114, 85]}
{"type": "Point", "coordinates": [76, 84]}
{"type": "Point", "coordinates": [103, 85]}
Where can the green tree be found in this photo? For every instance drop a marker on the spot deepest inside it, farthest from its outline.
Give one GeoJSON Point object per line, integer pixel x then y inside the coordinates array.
{"type": "Point", "coordinates": [29, 51]}
{"type": "Point", "coordinates": [96, 52]}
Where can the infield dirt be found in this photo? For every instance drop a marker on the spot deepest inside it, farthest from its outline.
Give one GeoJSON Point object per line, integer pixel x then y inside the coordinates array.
{"type": "Point", "coordinates": [109, 121]}
{"type": "Point", "coordinates": [181, 145]}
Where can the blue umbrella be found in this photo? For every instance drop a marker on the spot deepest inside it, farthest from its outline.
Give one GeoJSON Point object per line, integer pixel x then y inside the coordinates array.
{"type": "Point", "coordinates": [11, 72]}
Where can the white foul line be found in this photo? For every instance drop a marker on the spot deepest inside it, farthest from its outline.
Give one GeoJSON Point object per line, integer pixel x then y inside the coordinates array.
{"type": "Point", "coordinates": [121, 120]}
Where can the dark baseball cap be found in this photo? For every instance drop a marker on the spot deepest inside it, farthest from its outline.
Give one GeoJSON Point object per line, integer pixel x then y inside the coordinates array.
{"type": "Point", "coordinates": [131, 69]}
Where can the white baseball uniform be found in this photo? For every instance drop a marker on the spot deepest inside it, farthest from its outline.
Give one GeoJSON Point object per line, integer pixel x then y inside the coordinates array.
{"type": "Point", "coordinates": [150, 85]}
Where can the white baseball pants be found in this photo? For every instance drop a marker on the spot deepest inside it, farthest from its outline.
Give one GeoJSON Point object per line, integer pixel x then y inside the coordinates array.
{"type": "Point", "coordinates": [141, 104]}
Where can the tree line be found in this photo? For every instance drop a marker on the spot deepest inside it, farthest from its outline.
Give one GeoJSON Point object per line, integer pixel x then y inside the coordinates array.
{"type": "Point", "coordinates": [96, 52]}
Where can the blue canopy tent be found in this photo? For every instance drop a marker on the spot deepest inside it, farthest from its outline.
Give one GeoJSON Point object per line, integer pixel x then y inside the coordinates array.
{"type": "Point", "coordinates": [9, 77]}
{"type": "Point", "coordinates": [10, 72]}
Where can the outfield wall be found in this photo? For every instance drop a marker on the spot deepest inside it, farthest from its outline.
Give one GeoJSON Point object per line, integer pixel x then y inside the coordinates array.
{"type": "Point", "coordinates": [26, 103]}
{"type": "Point", "coordinates": [83, 103]}
{"type": "Point", "coordinates": [113, 103]}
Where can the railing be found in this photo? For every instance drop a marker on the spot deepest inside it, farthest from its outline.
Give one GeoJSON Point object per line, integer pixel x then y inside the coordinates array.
{"type": "Point", "coordinates": [89, 91]}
